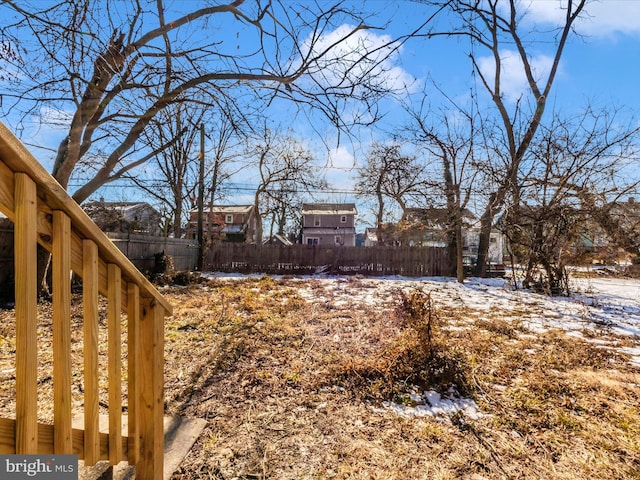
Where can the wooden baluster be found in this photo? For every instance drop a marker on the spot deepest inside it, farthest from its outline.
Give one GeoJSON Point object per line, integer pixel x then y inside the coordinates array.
{"type": "Point", "coordinates": [90, 316]}
{"type": "Point", "coordinates": [61, 284]}
{"type": "Point", "coordinates": [25, 252]}
{"type": "Point", "coordinates": [151, 464]}
{"type": "Point", "coordinates": [133, 389]}
{"type": "Point", "coordinates": [114, 297]}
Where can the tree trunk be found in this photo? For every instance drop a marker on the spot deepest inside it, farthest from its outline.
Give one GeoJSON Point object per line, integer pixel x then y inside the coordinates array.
{"type": "Point", "coordinates": [486, 223]}
{"type": "Point", "coordinates": [459, 262]}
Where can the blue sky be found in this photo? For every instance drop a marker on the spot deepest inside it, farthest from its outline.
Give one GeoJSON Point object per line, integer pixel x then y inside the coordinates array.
{"type": "Point", "coordinates": [602, 66]}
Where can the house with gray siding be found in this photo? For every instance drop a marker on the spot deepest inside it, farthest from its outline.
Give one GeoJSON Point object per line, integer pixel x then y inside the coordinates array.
{"type": "Point", "coordinates": [329, 224]}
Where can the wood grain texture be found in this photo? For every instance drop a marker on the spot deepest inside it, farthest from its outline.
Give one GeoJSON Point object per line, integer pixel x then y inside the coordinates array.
{"type": "Point", "coordinates": [25, 245]}
{"type": "Point", "coordinates": [61, 285]}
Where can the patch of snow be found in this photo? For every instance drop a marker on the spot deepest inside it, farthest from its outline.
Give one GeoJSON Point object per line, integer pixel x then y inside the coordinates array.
{"type": "Point", "coordinates": [432, 404]}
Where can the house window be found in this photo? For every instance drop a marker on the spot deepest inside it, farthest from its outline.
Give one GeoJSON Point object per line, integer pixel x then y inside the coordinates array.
{"type": "Point", "coordinates": [343, 219]}
{"type": "Point", "coordinates": [493, 240]}
{"type": "Point", "coordinates": [228, 218]}
{"type": "Point", "coordinates": [316, 221]}
{"type": "Point", "coordinates": [313, 241]}
{"type": "Point", "coordinates": [338, 239]}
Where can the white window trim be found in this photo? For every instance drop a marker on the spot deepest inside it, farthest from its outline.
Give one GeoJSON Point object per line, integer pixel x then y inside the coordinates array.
{"type": "Point", "coordinates": [228, 218]}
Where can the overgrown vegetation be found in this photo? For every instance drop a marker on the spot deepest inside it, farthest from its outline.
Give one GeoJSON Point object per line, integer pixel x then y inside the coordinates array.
{"type": "Point", "coordinates": [290, 375]}
{"type": "Point", "coordinates": [418, 356]}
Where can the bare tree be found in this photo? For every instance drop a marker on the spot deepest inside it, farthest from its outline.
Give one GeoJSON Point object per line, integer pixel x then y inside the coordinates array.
{"type": "Point", "coordinates": [577, 170]}
{"type": "Point", "coordinates": [110, 68]}
{"type": "Point", "coordinates": [492, 26]}
{"type": "Point", "coordinates": [284, 207]}
{"type": "Point", "coordinates": [448, 138]}
{"type": "Point", "coordinates": [173, 170]}
{"type": "Point", "coordinates": [389, 174]}
{"type": "Point", "coordinates": [285, 168]}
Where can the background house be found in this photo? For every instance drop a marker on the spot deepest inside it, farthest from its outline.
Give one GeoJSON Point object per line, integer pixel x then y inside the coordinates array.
{"type": "Point", "coordinates": [130, 217]}
{"type": "Point", "coordinates": [329, 224]}
{"type": "Point", "coordinates": [225, 223]}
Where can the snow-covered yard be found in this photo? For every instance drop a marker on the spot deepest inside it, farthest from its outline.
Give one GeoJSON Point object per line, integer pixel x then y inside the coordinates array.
{"type": "Point", "coordinates": [602, 310]}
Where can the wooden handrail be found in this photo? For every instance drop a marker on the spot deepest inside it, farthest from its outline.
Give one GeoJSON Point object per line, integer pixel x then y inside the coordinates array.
{"type": "Point", "coordinates": [51, 197]}
{"type": "Point", "coordinates": [43, 213]}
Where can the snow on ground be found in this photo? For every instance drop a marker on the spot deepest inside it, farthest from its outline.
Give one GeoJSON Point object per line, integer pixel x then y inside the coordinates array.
{"type": "Point", "coordinates": [599, 306]}
{"type": "Point", "coordinates": [605, 311]}
{"type": "Point", "coordinates": [432, 404]}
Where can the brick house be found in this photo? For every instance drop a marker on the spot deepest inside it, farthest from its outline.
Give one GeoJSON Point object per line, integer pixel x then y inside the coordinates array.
{"type": "Point", "coordinates": [226, 223]}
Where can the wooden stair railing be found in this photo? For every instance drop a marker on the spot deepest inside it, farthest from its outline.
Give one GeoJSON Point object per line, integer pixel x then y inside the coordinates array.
{"type": "Point", "coordinates": [43, 213]}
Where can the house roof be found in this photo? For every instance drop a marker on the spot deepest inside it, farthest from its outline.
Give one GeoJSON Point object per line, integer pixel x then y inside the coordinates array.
{"type": "Point", "coordinates": [122, 206]}
{"type": "Point", "coordinates": [128, 210]}
{"type": "Point", "coordinates": [277, 238]}
{"type": "Point", "coordinates": [227, 209]}
{"type": "Point", "coordinates": [329, 209]}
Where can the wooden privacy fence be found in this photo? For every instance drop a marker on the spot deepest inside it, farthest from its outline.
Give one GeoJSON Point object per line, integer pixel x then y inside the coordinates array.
{"type": "Point", "coordinates": [141, 250]}
{"type": "Point", "coordinates": [44, 214]}
{"type": "Point", "coordinates": [309, 259]}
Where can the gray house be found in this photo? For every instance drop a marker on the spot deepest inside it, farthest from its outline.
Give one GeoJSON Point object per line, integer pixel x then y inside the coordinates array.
{"type": "Point", "coordinates": [329, 224]}
{"type": "Point", "coordinates": [131, 217]}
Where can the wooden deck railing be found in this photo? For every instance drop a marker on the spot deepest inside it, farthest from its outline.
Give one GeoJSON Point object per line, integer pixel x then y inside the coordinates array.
{"type": "Point", "coordinates": [43, 213]}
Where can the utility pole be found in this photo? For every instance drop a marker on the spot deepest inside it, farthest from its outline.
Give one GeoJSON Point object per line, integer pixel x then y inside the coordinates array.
{"type": "Point", "coordinates": [201, 202]}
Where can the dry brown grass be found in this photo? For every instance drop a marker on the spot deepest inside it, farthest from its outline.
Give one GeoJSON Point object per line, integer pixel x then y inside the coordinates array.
{"type": "Point", "coordinates": [288, 374]}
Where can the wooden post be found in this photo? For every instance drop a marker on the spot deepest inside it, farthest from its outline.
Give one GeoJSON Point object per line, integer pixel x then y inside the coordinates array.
{"type": "Point", "coordinates": [151, 462]}
{"type": "Point", "coordinates": [61, 284]}
{"type": "Point", "coordinates": [114, 294]}
{"type": "Point", "coordinates": [133, 366]}
{"type": "Point", "coordinates": [26, 244]}
{"type": "Point", "coordinates": [90, 285]}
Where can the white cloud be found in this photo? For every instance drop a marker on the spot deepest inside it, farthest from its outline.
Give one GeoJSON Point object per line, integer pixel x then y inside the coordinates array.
{"type": "Point", "coordinates": [361, 55]}
{"type": "Point", "coordinates": [599, 18]}
{"type": "Point", "coordinates": [339, 170]}
{"type": "Point", "coordinates": [513, 83]}
{"type": "Point", "coordinates": [340, 158]}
